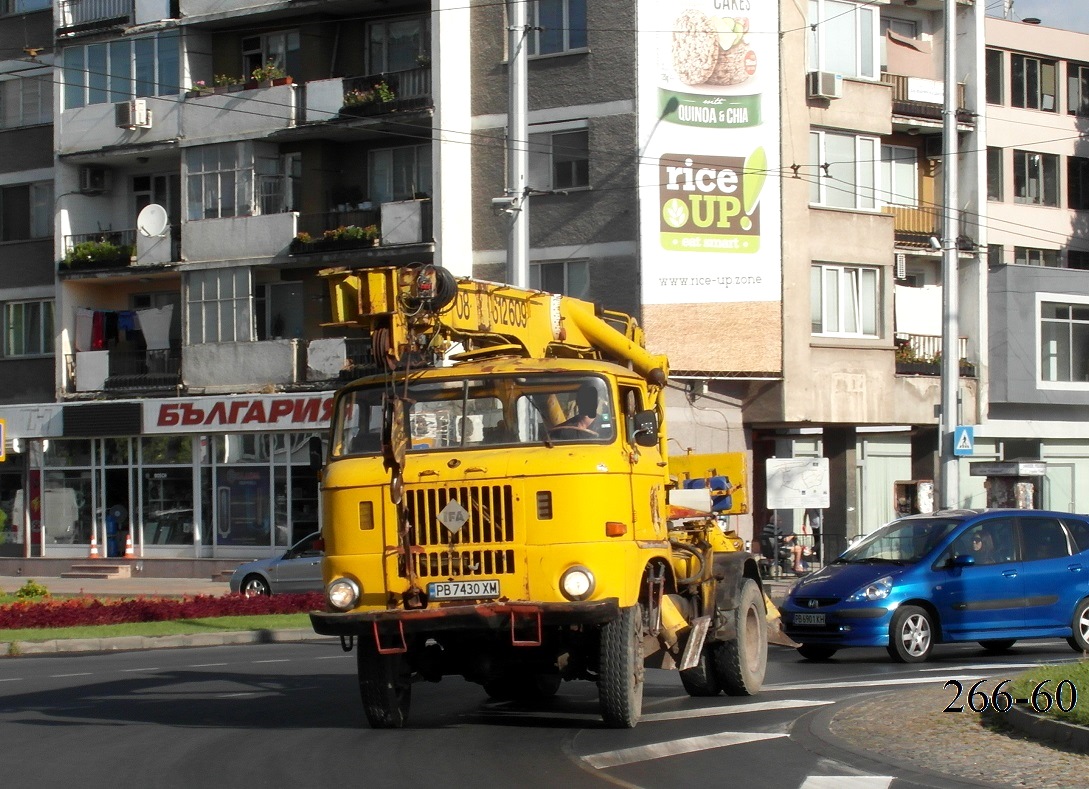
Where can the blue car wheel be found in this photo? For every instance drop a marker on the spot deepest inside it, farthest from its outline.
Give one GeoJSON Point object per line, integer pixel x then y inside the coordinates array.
{"type": "Point", "coordinates": [911, 635]}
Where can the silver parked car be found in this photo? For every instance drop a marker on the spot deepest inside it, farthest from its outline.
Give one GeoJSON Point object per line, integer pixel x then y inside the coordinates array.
{"type": "Point", "coordinates": [298, 570]}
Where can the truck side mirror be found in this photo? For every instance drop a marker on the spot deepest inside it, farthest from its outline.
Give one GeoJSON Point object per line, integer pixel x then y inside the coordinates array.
{"type": "Point", "coordinates": [645, 432]}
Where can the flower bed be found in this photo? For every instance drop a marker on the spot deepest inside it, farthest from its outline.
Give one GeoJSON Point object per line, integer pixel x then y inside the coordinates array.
{"type": "Point", "coordinates": [82, 611]}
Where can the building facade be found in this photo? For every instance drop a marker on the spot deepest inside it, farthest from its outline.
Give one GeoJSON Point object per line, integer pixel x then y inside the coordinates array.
{"type": "Point", "coordinates": [760, 183]}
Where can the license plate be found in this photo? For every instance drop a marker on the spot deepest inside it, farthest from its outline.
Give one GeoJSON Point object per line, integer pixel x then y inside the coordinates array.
{"type": "Point", "coordinates": [463, 590]}
{"type": "Point", "coordinates": [809, 619]}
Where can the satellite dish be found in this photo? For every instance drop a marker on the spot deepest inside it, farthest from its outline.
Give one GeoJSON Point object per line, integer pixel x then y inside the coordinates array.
{"type": "Point", "coordinates": [152, 221]}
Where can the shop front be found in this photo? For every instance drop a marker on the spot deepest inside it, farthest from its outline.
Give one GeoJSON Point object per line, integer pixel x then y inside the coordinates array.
{"type": "Point", "coordinates": [216, 477]}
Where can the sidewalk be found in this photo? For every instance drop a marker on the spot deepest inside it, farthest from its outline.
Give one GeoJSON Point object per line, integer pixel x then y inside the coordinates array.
{"type": "Point", "coordinates": [119, 587]}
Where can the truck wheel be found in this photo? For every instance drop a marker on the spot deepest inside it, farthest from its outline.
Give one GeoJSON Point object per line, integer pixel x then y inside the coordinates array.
{"type": "Point", "coordinates": [620, 670]}
{"type": "Point", "coordinates": [385, 685]}
{"type": "Point", "coordinates": [700, 680]}
{"type": "Point", "coordinates": [739, 665]}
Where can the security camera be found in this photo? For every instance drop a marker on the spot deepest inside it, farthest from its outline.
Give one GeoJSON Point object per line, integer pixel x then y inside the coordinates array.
{"type": "Point", "coordinates": [503, 202]}
{"type": "Point", "coordinates": [935, 244]}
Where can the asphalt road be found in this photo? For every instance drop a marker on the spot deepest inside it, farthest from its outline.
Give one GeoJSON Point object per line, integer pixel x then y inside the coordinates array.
{"type": "Point", "coordinates": [288, 715]}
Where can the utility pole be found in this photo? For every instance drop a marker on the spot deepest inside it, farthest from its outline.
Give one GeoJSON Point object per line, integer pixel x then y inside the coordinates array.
{"type": "Point", "coordinates": [950, 367]}
{"type": "Point", "coordinates": [516, 202]}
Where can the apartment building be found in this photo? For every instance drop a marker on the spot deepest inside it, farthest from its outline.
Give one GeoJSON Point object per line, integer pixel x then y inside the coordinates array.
{"type": "Point", "coordinates": [760, 182]}
{"type": "Point", "coordinates": [1037, 116]}
{"type": "Point", "coordinates": [26, 230]}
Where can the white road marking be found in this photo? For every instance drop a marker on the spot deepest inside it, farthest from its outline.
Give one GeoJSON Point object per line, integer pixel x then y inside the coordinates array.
{"type": "Point", "coordinates": [997, 666]}
{"type": "Point", "coordinates": [131, 670]}
{"type": "Point", "coordinates": [847, 782]}
{"type": "Point", "coordinates": [870, 683]}
{"type": "Point", "coordinates": [661, 750]}
{"type": "Point", "coordinates": [207, 665]}
{"type": "Point", "coordinates": [236, 695]}
{"type": "Point", "coordinates": [63, 676]}
{"type": "Point", "coordinates": [708, 712]}
{"type": "Point", "coordinates": [277, 660]}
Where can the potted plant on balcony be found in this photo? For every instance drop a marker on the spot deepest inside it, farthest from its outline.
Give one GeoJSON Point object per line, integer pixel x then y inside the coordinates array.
{"type": "Point", "coordinates": [269, 74]}
{"type": "Point", "coordinates": [97, 254]}
{"type": "Point", "coordinates": [368, 101]}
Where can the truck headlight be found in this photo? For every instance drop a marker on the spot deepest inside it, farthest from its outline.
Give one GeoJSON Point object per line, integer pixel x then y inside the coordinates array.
{"type": "Point", "coordinates": [342, 594]}
{"type": "Point", "coordinates": [877, 590]}
{"type": "Point", "coordinates": [577, 583]}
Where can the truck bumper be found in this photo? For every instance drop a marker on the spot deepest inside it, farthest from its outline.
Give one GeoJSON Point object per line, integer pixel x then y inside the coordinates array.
{"type": "Point", "coordinates": [476, 616]}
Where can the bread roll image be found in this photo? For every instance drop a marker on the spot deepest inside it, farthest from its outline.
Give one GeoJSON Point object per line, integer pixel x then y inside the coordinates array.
{"type": "Point", "coordinates": [712, 50]}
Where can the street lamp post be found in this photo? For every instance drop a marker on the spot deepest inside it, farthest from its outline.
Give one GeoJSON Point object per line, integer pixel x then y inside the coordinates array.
{"type": "Point", "coordinates": [950, 367]}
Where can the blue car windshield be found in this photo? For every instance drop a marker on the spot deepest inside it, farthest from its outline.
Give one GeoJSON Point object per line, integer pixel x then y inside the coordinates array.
{"type": "Point", "coordinates": [900, 542]}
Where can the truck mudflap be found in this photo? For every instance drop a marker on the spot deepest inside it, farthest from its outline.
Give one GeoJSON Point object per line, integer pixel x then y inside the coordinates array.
{"type": "Point", "coordinates": [524, 620]}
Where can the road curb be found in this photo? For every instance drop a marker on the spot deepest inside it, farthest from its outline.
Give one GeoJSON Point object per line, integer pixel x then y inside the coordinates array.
{"type": "Point", "coordinates": [1042, 728]}
{"type": "Point", "coordinates": [136, 643]}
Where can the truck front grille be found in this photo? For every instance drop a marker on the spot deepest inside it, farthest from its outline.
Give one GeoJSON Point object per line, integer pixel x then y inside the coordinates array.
{"type": "Point", "coordinates": [482, 545]}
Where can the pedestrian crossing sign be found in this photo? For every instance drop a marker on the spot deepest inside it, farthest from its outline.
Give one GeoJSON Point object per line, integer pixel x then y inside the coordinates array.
{"type": "Point", "coordinates": [963, 441]}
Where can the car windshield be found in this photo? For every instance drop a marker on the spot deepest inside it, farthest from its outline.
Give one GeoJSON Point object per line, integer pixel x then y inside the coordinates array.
{"type": "Point", "coordinates": [900, 542]}
{"type": "Point", "coordinates": [474, 412]}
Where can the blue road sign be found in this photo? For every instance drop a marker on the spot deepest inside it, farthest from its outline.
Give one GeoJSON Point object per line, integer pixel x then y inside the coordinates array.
{"type": "Point", "coordinates": [964, 441]}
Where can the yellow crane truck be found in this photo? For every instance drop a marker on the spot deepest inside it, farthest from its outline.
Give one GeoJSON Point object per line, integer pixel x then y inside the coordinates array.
{"type": "Point", "coordinates": [496, 505]}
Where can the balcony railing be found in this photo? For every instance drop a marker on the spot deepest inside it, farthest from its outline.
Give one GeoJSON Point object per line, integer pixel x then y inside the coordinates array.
{"type": "Point", "coordinates": [411, 90]}
{"type": "Point", "coordinates": [106, 249]}
{"type": "Point", "coordinates": [920, 354]}
{"type": "Point", "coordinates": [138, 370]}
{"type": "Point", "coordinates": [905, 101]}
{"type": "Point", "coordinates": [76, 16]}
{"type": "Point", "coordinates": [914, 225]}
{"type": "Point", "coordinates": [316, 225]}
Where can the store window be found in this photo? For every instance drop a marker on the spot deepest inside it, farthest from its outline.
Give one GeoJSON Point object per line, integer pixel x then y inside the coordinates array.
{"type": "Point", "coordinates": [120, 70]}
{"type": "Point", "coordinates": [167, 490]}
{"type": "Point", "coordinates": [844, 300]}
{"type": "Point", "coordinates": [847, 172]}
{"type": "Point", "coordinates": [843, 38]}
{"type": "Point", "coordinates": [219, 306]}
{"type": "Point", "coordinates": [1064, 341]}
{"type": "Point", "coordinates": [1033, 83]}
{"type": "Point", "coordinates": [1035, 178]}
{"type": "Point", "coordinates": [557, 26]}
{"type": "Point", "coordinates": [67, 503]}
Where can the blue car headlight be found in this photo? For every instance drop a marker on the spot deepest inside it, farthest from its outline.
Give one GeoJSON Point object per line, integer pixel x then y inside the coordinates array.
{"type": "Point", "coordinates": [875, 590]}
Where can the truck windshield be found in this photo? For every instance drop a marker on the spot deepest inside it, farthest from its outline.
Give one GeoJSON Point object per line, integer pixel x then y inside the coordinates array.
{"type": "Point", "coordinates": [544, 409]}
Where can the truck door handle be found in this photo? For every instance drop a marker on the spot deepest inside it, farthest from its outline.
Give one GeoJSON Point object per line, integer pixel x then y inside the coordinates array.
{"type": "Point", "coordinates": [476, 470]}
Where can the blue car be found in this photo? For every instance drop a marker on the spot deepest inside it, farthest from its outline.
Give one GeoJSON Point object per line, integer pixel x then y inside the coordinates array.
{"type": "Point", "coordinates": [990, 576]}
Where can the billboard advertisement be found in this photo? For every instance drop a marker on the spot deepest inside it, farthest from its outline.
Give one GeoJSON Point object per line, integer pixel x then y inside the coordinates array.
{"type": "Point", "coordinates": [710, 181]}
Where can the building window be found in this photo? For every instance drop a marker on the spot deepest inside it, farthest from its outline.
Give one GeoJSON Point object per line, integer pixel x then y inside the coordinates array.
{"type": "Point", "coordinates": [907, 28]}
{"type": "Point", "coordinates": [26, 102]}
{"type": "Point", "coordinates": [559, 158]}
{"type": "Point", "coordinates": [398, 44]}
{"type": "Point", "coordinates": [219, 181]}
{"type": "Point", "coordinates": [280, 48]}
{"type": "Point", "coordinates": [844, 300]}
{"type": "Point", "coordinates": [995, 78]}
{"type": "Point", "coordinates": [219, 306]}
{"type": "Point", "coordinates": [900, 176]}
{"type": "Point", "coordinates": [558, 26]}
{"type": "Point", "coordinates": [1030, 256]}
{"type": "Point", "coordinates": [28, 328]}
{"type": "Point", "coordinates": [8, 7]}
{"type": "Point", "coordinates": [843, 38]}
{"type": "Point", "coordinates": [1077, 183]}
{"type": "Point", "coordinates": [26, 211]}
{"type": "Point", "coordinates": [121, 70]}
{"type": "Point", "coordinates": [848, 170]}
{"type": "Point", "coordinates": [1035, 178]}
{"type": "Point", "coordinates": [995, 255]}
{"type": "Point", "coordinates": [279, 179]}
{"type": "Point", "coordinates": [399, 173]}
{"type": "Point", "coordinates": [994, 173]}
{"type": "Point", "coordinates": [1064, 342]}
{"type": "Point", "coordinates": [569, 277]}
{"type": "Point", "coordinates": [1077, 89]}
{"type": "Point", "coordinates": [279, 310]}
{"type": "Point", "coordinates": [1033, 83]}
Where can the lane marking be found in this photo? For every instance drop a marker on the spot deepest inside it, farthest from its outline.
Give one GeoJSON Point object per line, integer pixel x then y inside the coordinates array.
{"type": "Point", "coordinates": [63, 676]}
{"type": "Point", "coordinates": [877, 684]}
{"type": "Point", "coordinates": [207, 665]}
{"type": "Point", "coordinates": [132, 670]}
{"type": "Point", "coordinates": [661, 750]}
{"type": "Point", "coordinates": [277, 660]}
{"type": "Point", "coordinates": [709, 712]}
{"type": "Point", "coordinates": [847, 782]}
{"type": "Point", "coordinates": [11, 679]}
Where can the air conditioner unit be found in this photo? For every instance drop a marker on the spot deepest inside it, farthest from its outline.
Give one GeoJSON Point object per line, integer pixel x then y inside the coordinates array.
{"type": "Point", "coordinates": [824, 85]}
{"type": "Point", "coordinates": [94, 180]}
{"type": "Point", "coordinates": [932, 146]}
{"type": "Point", "coordinates": [901, 265]}
{"type": "Point", "coordinates": [132, 114]}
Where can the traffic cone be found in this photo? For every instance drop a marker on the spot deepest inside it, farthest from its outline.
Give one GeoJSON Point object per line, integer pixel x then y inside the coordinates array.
{"type": "Point", "coordinates": [94, 545]}
{"type": "Point", "coordinates": [128, 546]}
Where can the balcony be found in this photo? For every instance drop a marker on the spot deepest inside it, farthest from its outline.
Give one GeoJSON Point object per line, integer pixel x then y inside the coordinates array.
{"type": "Point", "coordinates": [228, 366]}
{"type": "Point", "coordinates": [398, 223]}
{"type": "Point", "coordinates": [914, 226]}
{"type": "Point", "coordinates": [917, 97]}
{"type": "Point", "coordinates": [87, 16]}
{"type": "Point", "coordinates": [239, 237]}
{"type": "Point", "coordinates": [124, 371]}
{"type": "Point", "coordinates": [326, 99]}
{"type": "Point", "coordinates": [921, 354]}
{"type": "Point", "coordinates": [97, 251]}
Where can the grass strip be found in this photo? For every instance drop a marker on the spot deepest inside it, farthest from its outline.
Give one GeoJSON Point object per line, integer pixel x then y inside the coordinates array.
{"type": "Point", "coordinates": [1073, 695]}
{"type": "Point", "coordinates": [218, 624]}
